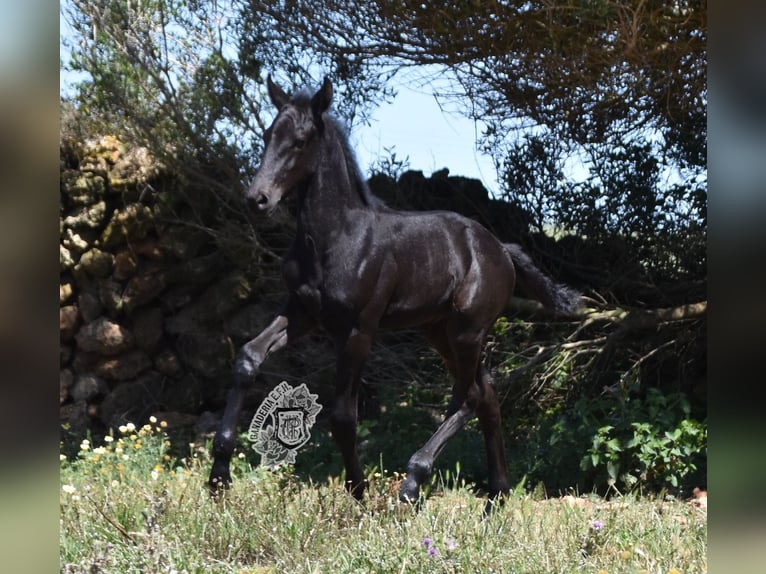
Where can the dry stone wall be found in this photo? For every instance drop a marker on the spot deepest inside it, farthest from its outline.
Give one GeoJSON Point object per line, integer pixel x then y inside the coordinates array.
{"type": "Point", "coordinates": [150, 312]}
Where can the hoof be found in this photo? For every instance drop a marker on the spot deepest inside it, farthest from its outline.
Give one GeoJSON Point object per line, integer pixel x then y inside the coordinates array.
{"type": "Point", "coordinates": [219, 482]}
{"type": "Point", "coordinates": [494, 503]}
{"type": "Point", "coordinates": [409, 491]}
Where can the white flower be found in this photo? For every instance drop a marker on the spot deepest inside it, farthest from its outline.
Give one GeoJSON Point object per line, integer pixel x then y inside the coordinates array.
{"type": "Point", "coordinates": [68, 488]}
{"type": "Point", "coordinates": [155, 475]}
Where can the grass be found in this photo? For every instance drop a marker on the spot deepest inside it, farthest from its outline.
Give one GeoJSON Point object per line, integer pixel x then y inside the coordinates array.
{"type": "Point", "coordinates": [128, 505]}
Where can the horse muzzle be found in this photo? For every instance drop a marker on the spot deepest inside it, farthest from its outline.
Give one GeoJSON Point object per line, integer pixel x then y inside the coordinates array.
{"type": "Point", "coordinates": [262, 200]}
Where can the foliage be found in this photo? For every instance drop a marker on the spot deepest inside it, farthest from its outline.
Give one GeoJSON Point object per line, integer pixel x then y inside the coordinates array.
{"type": "Point", "coordinates": [652, 443]}
{"type": "Point", "coordinates": [125, 508]}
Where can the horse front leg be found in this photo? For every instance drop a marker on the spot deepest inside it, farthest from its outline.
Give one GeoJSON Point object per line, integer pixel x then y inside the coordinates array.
{"type": "Point", "coordinates": [288, 325]}
{"type": "Point", "coordinates": [343, 420]}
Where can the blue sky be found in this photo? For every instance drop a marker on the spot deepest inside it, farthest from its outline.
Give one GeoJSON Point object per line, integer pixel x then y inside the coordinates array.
{"type": "Point", "coordinates": [416, 128]}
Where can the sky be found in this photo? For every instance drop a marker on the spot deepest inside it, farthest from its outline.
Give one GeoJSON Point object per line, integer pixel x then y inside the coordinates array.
{"type": "Point", "coordinates": [415, 128]}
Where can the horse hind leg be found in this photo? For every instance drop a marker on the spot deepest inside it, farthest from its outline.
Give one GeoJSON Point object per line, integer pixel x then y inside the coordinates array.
{"type": "Point", "coordinates": [488, 413]}
{"type": "Point", "coordinates": [461, 365]}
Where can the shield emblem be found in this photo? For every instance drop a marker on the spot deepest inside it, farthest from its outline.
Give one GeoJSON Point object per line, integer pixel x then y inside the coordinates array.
{"type": "Point", "coordinates": [291, 431]}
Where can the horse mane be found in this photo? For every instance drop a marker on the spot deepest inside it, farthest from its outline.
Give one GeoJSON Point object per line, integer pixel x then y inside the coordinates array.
{"type": "Point", "coordinates": [369, 198]}
{"type": "Point", "coordinates": [303, 99]}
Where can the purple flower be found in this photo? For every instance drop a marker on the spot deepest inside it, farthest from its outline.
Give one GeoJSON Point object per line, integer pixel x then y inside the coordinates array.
{"type": "Point", "coordinates": [432, 551]}
{"type": "Point", "coordinates": [597, 525]}
{"type": "Point", "coordinates": [450, 544]}
{"type": "Point", "coordinates": [427, 542]}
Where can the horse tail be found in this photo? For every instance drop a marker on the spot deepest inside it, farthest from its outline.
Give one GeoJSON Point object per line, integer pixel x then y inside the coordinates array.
{"type": "Point", "coordinates": [561, 299]}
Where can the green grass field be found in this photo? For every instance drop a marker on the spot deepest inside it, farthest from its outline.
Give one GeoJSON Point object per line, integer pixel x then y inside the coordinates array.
{"type": "Point", "coordinates": [127, 505]}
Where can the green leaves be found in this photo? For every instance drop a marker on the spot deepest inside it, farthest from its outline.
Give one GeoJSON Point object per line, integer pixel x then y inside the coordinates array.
{"type": "Point", "coordinates": [652, 444]}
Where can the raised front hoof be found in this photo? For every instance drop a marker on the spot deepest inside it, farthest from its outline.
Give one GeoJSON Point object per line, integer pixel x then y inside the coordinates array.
{"type": "Point", "coordinates": [219, 483]}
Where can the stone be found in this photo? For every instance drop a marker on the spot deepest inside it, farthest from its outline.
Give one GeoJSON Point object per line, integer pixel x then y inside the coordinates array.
{"type": "Point", "coordinates": [88, 386]}
{"type": "Point", "coordinates": [69, 321]}
{"type": "Point", "coordinates": [123, 367]}
{"type": "Point", "coordinates": [131, 401]}
{"type": "Point", "coordinates": [247, 322]}
{"type": "Point", "coordinates": [96, 263]}
{"type": "Point", "coordinates": [182, 395]}
{"type": "Point", "coordinates": [125, 265]}
{"type": "Point", "coordinates": [66, 378]}
{"type": "Point", "coordinates": [83, 189]}
{"type": "Point", "coordinates": [90, 305]}
{"type": "Point", "coordinates": [213, 306]}
{"type": "Point", "coordinates": [168, 363]}
{"type": "Point", "coordinates": [74, 417]}
{"type": "Point", "coordinates": [142, 289]}
{"type": "Point", "coordinates": [104, 337]}
{"type": "Point", "coordinates": [90, 216]}
{"type": "Point", "coordinates": [147, 328]}
{"type": "Point", "coordinates": [207, 354]}
{"type": "Point", "coordinates": [65, 292]}
{"type": "Point", "coordinates": [66, 259]}
{"type": "Point", "coordinates": [65, 353]}
{"type": "Point", "coordinates": [130, 223]}
{"type": "Point", "coordinates": [74, 243]}
{"type": "Point", "coordinates": [182, 242]}
{"type": "Point", "coordinates": [110, 294]}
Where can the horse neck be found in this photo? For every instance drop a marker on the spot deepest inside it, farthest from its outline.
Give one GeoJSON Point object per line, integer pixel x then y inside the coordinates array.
{"type": "Point", "coordinates": [331, 195]}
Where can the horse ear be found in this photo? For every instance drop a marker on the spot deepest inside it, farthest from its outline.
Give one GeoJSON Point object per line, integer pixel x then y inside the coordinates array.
{"type": "Point", "coordinates": [278, 97]}
{"type": "Point", "coordinates": [321, 100]}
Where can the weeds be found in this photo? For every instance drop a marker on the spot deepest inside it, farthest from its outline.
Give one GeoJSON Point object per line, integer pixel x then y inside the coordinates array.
{"type": "Point", "coordinates": [128, 506]}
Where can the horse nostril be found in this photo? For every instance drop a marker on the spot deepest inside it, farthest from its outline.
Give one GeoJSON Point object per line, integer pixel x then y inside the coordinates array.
{"type": "Point", "coordinates": [258, 202]}
{"type": "Point", "coordinates": [261, 201]}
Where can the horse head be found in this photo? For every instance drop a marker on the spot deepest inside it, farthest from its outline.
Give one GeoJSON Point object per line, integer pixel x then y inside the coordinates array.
{"type": "Point", "coordinates": [292, 145]}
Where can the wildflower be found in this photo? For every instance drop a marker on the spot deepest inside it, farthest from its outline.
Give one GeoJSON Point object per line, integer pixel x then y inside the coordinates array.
{"type": "Point", "coordinates": [427, 542]}
{"type": "Point", "coordinates": [108, 438]}
{"type": "Point", "coordinates": [85, 444]}
{"type": "Point", "coordinates": [62, 457]}
{"type": "Point", "coordinates": [68, 488]}
{"type": "Point", "coordinates": [131, 427]}
{"type": "Point", "coordinates": [432, 551]}
{"type": "Point", "coordinates": [597, 525]}
{"type": "Point", "coordinates": [241, 455]}
{"type": "Point", "coordinates": [99, 450]}
{"type": "Point", "coordinates": [163, 424]}
{"type": "Point", "coordinates": [152, 419]}
{"type": "Point", "coordinates": [450, 545]}
{"type": "Point", "coordinates": [155, 475]}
